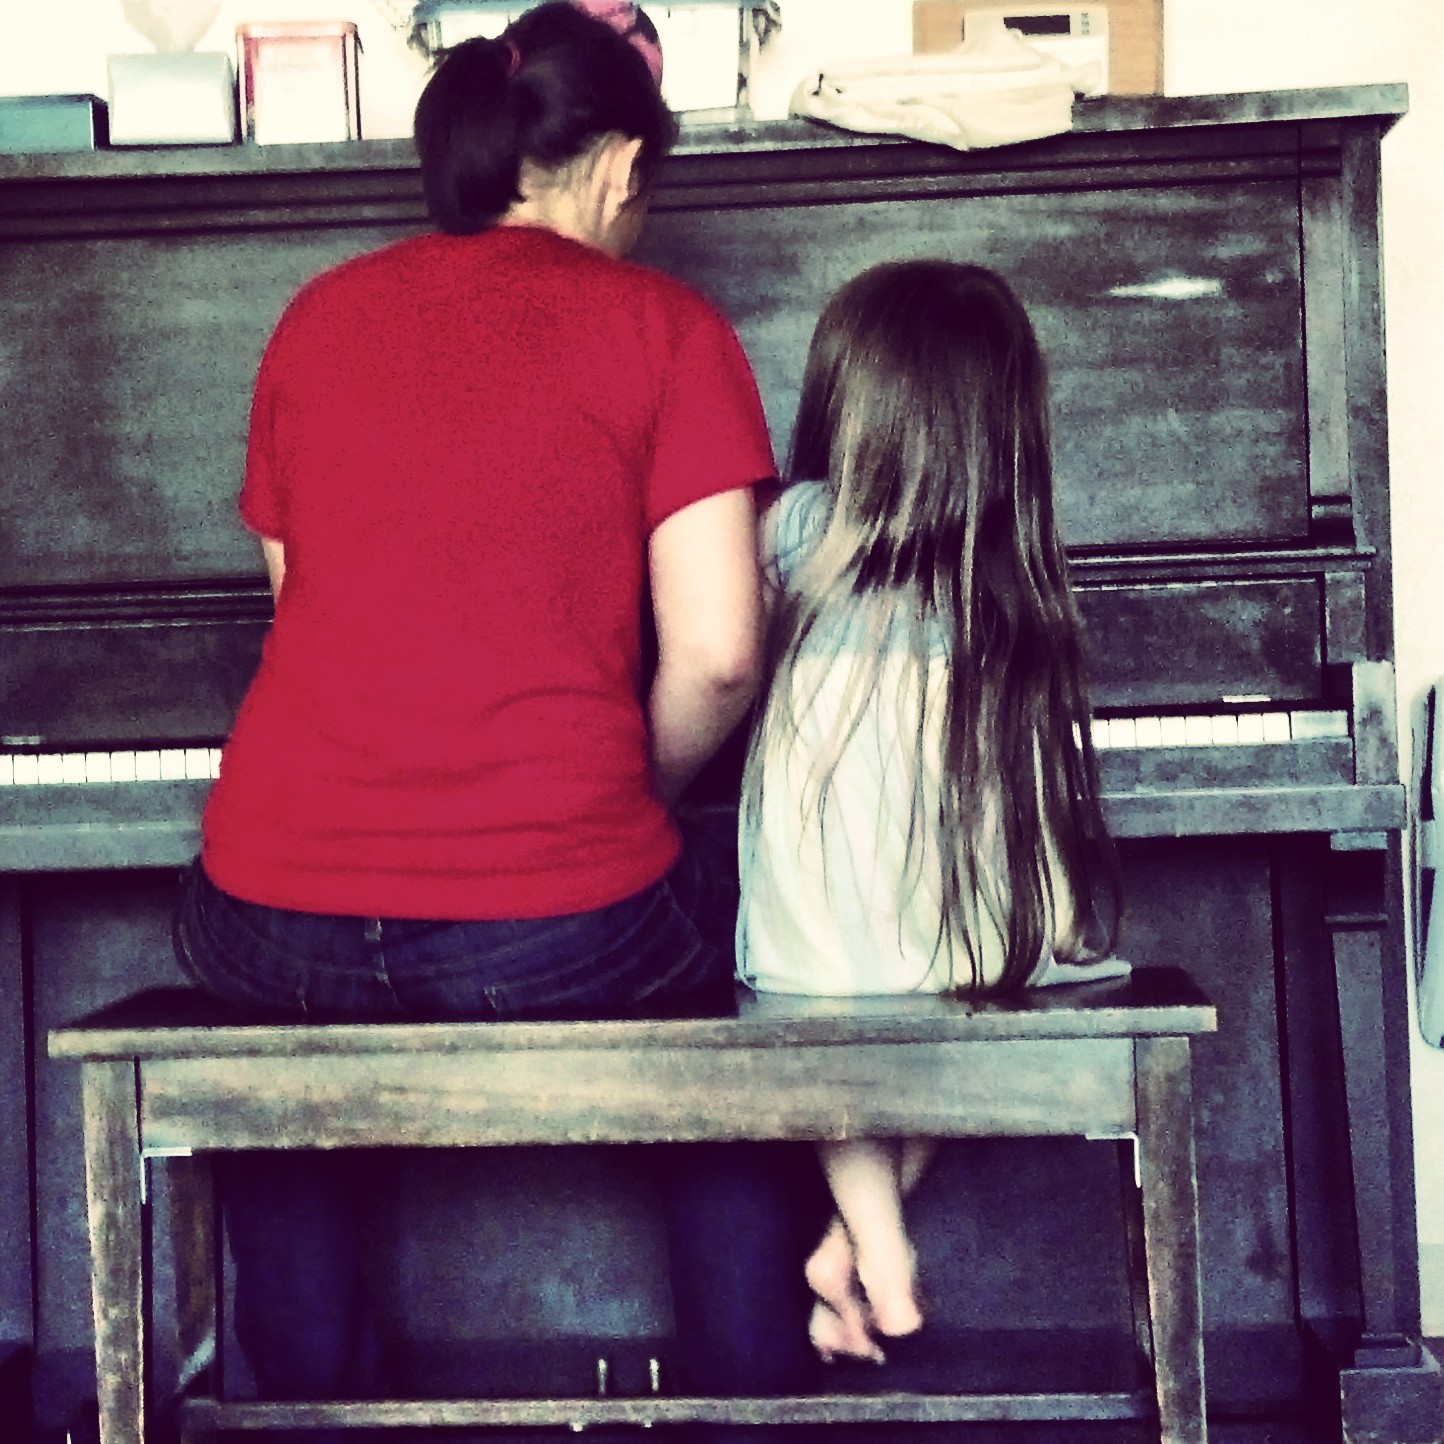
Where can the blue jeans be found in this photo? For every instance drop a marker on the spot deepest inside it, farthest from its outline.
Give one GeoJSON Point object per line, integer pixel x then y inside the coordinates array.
{"type": "Point", "coordinates": [740, 1217]}
{"type": "Point", "coordinates": [668, 951]}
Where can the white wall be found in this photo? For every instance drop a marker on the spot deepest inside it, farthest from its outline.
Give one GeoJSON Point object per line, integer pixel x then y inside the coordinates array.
{"type": "Point", "coordinates": [47, 47]}
{"type": "Point", "coordinates": [1210, 45]}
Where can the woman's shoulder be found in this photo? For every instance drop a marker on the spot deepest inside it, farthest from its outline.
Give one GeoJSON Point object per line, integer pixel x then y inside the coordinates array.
{"type": "Point", "coordinates": [667, 299]}
{"type": "Point", "coordinates": [371, 277]}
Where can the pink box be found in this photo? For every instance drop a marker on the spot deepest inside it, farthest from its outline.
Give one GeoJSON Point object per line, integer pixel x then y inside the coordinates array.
{"type": "Point", "coordinates": [298, 81]}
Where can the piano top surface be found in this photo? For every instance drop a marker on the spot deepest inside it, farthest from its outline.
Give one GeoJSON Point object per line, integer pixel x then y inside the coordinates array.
{"type": "Point", "coordinates": [1104, 114]}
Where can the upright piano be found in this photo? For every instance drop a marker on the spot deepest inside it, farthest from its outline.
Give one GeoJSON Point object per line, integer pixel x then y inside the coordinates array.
{"type": "Point", "coordinates": [1204, 276]}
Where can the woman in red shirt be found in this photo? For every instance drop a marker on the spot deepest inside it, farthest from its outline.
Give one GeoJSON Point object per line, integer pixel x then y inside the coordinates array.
{"type": "Point", "coordinates": [474, 455]}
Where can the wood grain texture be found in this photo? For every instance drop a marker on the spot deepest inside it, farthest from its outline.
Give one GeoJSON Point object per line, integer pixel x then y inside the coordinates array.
{"type": "Point", "coordinates": [1376, 757]}
{"type": "Point", "coordinates": [799, 1409]}
{"type": "Point", "coordinates": [615, 1095]}
{"type": "Point", "coordinates": [1170, 1226]}
{"type": "Point", "coordinates": [183, 1022]}
{"type": "Point", "coordinates": [196, 1256]}
{"type": "Point", "coordinates": [785, 1068]}
{"type": "Point", "coordinates": [117, 1239]}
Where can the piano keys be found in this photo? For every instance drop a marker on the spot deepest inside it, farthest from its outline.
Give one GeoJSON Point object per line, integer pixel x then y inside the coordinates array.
{"type": "Point", "coordinates": [69, 769]}
{"type": "Point", "coordinates": [1116, 734]}
{"type": "Point", "coordinates": [1218, 729]}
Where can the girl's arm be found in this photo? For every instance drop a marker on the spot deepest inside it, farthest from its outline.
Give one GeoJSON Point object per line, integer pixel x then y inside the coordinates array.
{"type": "Point", "coordinates": [707, 598]}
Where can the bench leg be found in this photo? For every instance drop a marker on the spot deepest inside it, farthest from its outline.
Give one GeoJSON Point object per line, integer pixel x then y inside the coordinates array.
{"type": "Point", "coordinates": [191, 1195]}
{"type": "Point", "coordinates": [113, 1195]}
{"type": "Point", "coordinates": [1170, 1229]}
{"type": "Point", "coordinates": [1137, 1257]}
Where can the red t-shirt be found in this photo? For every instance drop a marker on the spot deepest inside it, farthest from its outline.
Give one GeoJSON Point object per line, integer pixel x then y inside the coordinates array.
{"type": "Point", "coordinates": [463, 444]}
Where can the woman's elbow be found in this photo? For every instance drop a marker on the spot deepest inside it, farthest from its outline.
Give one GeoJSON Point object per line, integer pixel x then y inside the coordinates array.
{"type": "Point", "coordinates": [747, 660]}
{"type": "Point", "coordinates": [735, 671]}
{"type": "Point", "coordinates": [723, 667]}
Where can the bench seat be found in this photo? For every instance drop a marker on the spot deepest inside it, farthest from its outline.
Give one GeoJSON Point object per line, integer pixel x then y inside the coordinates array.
{"type": "Point", "coordinates": [175, 1075]}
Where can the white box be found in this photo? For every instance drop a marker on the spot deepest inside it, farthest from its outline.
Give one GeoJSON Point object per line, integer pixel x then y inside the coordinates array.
{"type": "Point", "coordinates": [704, 59]}
{"type": "Point", "coordinates": [187, 99]}
{"type": "Point", "coordinates": [1075, 35]}
{"type": "Point", "coordinates": [707, 45]}
{"type": "Point", "coordinates": [300, 81]}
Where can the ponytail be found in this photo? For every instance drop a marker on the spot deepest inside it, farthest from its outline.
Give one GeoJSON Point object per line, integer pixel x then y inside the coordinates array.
{"type": "Point", "coordinates": [555, 82]}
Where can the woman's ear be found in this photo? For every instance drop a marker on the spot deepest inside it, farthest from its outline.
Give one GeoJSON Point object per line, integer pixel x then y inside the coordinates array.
{"type": "Point", "coordinates": [615, 182]}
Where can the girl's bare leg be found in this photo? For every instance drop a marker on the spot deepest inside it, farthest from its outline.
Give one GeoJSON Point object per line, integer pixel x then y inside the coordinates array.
{"type": "Point", "coordinates": [917, 1153]}
{"type": "Point", "coordinates": [866, 1176]}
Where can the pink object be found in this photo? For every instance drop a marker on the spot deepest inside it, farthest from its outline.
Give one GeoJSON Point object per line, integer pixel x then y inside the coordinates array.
{"type": "Point", "coordinates": [621, 15]}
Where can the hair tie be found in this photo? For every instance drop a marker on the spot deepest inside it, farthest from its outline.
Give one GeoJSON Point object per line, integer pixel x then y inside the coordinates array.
{"type": "Point", "coordinates": [513, 56]}
{"type": "Point", "coordinates": [622, 16]}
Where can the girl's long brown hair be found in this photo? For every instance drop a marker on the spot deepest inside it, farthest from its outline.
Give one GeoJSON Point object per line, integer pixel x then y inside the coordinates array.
{"type": "Point", "coordinates": [924, 410]}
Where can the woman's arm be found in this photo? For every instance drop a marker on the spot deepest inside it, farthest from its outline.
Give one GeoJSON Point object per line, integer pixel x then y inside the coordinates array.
{"type": "Point", "coordinates": [707, 597]}
{"type": "Point", "coordinates": [275, 555]}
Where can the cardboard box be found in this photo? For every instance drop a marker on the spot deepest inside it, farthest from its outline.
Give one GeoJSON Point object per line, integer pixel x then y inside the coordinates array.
{"type": "Point", "coordinates": [1135, 33]}
{"type": "Point", "coordinates": [186, 99]}
{"type": "Point", "coordinates": [300, 81]}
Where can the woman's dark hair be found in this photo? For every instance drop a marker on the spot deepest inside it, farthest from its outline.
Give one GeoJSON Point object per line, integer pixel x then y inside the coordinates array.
{"type": "Point", "coordinates": [550, 86]}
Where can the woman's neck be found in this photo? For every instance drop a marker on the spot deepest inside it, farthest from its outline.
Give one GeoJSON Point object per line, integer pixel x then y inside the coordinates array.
{"type": "Point", "coordinates": [554, 210]}
{"type": "Point", "coordinates": [591, 199]}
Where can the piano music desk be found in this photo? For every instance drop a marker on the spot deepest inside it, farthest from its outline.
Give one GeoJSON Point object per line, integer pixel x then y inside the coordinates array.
{"type": "Point", "coordinates": [172, 1075]}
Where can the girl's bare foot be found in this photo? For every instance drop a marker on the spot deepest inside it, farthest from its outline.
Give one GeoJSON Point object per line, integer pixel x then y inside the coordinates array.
{"type": "Point", "coordinates": [833, 1339]}
{"type": "Point", "coordinates": [889, 1285]}
{"type": "Point", "coordinates": [839, 1323]}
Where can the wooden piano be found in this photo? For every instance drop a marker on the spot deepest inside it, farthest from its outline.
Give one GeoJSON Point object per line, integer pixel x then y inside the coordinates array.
{"type": "Point", "coordinates": [1204, 274]}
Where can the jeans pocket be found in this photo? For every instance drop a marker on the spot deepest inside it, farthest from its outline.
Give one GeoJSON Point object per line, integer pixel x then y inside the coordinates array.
{"type": "Point", "coordinates": [630, 959]}
{"type": "Point", "coordinates": [222, 949]}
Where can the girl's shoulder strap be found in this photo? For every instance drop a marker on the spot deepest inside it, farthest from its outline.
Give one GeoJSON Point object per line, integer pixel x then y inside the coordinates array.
{"type": "Point", "coordinates": [794, 523]}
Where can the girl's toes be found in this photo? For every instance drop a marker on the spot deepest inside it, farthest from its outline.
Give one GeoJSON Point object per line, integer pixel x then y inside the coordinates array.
{"type": "Point", "coordinates": [833, 1337]}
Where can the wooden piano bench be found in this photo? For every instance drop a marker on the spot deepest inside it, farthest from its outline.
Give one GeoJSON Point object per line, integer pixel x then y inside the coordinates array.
{"type": "Point", "coordinates": [172, 1076]}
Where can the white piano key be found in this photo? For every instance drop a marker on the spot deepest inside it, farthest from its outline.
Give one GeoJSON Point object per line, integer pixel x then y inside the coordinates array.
{"type": "Point", "coordinates": [122, 766]}
{"type": "Point", "coordinates": [1100, 732]}
{"type": "Point", "coordinates": [7, 770]}
{"type": "Point", "coordinates": [50, 769]}
{"type": "Point", "coordinates": [215, 762]}
{"type": "Point", "coordinates": [1250, 727]}
{"type": "Point", "coordinates": [1319, 724]}
{"type": "Point", "coordinates": [1276, 727]}
{"type": "Point", "coordinates": [1121, 733]}
{"type": "Point", "coordinates": [1148, 731]}
{"type": "Point", "coordinates": [1173, 731]}
{"type": "Point", "coordinates": [147, 766]}
{"type": "Point", "coordinates": [72, 767]}
{"type": "Point", "coordinates": [1225, 729]}
{"type": "Point", "coordinates": [172, 764]}
{"type": "Point", "coordinates": [97, 767]}
{"type": "Point", "coordinates": [1198, 731]}
{"type": "Point", "coordinates": [198, 762]}
{"type": "Point", "coordinates": [27, 768]}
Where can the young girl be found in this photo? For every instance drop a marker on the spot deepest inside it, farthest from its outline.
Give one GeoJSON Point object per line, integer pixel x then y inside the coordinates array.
{"type": "Point", "coordinates": [920, 806]}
